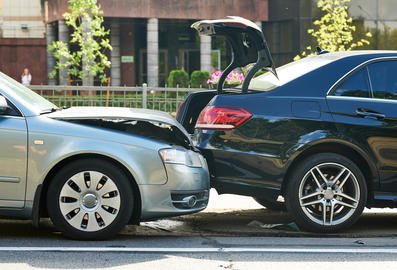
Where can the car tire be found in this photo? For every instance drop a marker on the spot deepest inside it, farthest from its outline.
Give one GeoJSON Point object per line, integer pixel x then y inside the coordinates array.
{"type": "Point", "coordinates": [326, 193]}
{"type": "Point", "coordinates": [271, 205]}
{"type": "Point", "coordinates": [90, 199]}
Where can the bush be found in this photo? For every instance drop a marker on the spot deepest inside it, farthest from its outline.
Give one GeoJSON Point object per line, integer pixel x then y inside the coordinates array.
{"type": "Point", "coordinates": [178, 77]}
{"type": "Point", "coordinates": [199, 79]}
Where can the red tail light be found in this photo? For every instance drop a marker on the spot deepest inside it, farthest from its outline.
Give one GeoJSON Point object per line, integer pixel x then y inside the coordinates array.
{"type": "Point", "coordinates": [222, 118]}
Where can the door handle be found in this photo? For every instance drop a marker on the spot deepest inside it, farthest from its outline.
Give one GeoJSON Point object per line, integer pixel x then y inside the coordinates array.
{"type": "Point", "coordinates": [370, 114]}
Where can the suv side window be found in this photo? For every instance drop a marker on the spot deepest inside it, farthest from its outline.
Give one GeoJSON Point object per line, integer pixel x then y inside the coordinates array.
{"type": "Point", "coordinates": [383, 78]}
{"type": "Point", "coordinates": [356, 85]}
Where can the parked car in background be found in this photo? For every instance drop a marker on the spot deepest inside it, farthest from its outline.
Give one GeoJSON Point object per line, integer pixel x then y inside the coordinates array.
{"type": "Point", "coordinates": [320, 132]}
{"type": "Point", "coordinates": [92, 170]}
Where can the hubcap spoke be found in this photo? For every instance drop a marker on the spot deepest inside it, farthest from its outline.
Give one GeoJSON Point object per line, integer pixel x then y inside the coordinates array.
{"type": "Point", "coordinates": [324, 212]}
{"type": "Point", "coordinates": [77, 219]}
{"type": "Point", "coordinates": [321, 174]}
{"type": "Point", "coordinates": [315, 179]}
{"type": "Point", "coordinates": [72, 189]}
{"type": "Point", "coordinates": [112, 202]}
{"type": "Point", "coordinates": [313, 202]}
{"type": "Point", "coordinates": [92, 222]}
{"type": "Point", "coordinates": [67, 207]}
{"type": "Point", "coordinates": [106, 216]}
{"type": "Point", "coordinates": [106, 188]}
{"type": "Point", "coordinates": [331, 215]}
{"type": "Point", "coordinates": [345, 204]}
{"type": "Point", "coordinates": [95, 179]}
{"type": "Point", "coordinates": [344, 180]}
{"type": "Point", "coordinates": [311, 195]}
{"type": "Point", "coordinates": [347, 197]}
{"type": "Point", "coordinates": [79, 180]}
{"type": "Point", "coordinates": [338, 176]}
{"type": "Point", "coordinates": [87, 179]}
{"type": "Point", "coordinates": [101, 183]}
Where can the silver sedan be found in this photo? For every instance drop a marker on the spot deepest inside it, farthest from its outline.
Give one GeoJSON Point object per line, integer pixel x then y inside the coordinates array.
{"type": "Point", "coordinates": [93, 170]}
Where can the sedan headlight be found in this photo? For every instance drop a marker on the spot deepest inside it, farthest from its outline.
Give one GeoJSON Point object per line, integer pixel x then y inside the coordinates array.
{"type": "Point", "coordinates": [181, 156]}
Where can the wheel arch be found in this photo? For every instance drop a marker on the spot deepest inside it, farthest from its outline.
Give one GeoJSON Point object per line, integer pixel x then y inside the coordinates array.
{"type": "Point", "coordinates": [354, 153]}
{"type": "Point", "coordinates": [42, 200]}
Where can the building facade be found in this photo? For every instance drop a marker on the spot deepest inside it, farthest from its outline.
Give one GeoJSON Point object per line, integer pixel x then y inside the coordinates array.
{"type": "Point", "coordinates": [286, 28]}
{"type": "Point", "coordinates": [152, 37]}
{"type": "Point", "coordinates": [378, 17]}
{"type": "Point", "coordinates": [22, 39]}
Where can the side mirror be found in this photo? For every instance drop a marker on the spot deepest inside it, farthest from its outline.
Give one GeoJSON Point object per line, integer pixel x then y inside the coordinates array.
{"type": "Point", "coordinates": [3, 105]}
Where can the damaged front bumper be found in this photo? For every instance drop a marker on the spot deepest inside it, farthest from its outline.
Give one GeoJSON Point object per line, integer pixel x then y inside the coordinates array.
{"type": "Point", "coordinates": [186, 191]}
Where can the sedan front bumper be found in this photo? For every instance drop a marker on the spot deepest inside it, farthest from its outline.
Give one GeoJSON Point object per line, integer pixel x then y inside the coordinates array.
{"type": "Point", "coordinates": [185, 192]}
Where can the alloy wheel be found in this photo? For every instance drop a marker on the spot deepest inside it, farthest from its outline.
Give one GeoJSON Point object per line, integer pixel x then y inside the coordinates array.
{"type": "Point", "coordinates": [329, 194]}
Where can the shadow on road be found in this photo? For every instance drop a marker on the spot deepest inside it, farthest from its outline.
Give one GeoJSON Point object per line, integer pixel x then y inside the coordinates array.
{"type": "Point", "coordinates": [254, 222]}
{"type": "Point", "coordinates": [198, 230]}
{"type": "Point", "coordinates": [262, 222]}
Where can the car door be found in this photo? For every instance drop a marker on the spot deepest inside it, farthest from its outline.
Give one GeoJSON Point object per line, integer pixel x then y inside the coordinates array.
{"type": "Point", "coordinates": [364, 107]}
{"type": "Point", "coordinates": [13, 158]}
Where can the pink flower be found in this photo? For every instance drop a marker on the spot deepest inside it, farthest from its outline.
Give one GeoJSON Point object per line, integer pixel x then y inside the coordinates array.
{"type": "Point", "coordinates": [234, 77]}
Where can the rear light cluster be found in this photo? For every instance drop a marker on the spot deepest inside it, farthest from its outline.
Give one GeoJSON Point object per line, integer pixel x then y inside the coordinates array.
{"type": "Point", "coordinates": [222, 118]}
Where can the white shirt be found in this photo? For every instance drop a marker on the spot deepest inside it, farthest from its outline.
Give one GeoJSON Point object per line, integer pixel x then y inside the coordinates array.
{"type": "Point", "coordinates": [26, 79]}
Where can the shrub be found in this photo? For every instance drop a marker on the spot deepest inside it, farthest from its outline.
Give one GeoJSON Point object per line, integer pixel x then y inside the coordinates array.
{"type": "Point", "coordinates": [199, 79]}
{"type": "Point", "coordinates": [178, 77]}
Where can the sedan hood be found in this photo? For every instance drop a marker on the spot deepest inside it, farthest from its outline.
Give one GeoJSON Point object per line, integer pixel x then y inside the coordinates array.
{"type": "Point", "coordinates": [92, 113]}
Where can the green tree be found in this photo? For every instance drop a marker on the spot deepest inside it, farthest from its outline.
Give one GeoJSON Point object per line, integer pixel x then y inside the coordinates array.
{"type": "Point", "coordinates": [85, 18]}
{"type": "Point", "coordinates": [334, 30]}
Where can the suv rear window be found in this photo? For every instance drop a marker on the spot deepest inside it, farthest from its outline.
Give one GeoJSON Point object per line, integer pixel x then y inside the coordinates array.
{"type": "Point", "coordinates": [287, 73]}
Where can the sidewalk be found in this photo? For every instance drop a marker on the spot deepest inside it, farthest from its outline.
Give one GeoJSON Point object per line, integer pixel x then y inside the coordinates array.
{"type": "Point", "coordinates": [232, 215]}
{"type": "Point", "coordinates": [227, 202]}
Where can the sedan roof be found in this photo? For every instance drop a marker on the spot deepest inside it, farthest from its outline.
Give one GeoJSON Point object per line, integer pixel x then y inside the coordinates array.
{"type": "Point", "coordinates": [342, 54]}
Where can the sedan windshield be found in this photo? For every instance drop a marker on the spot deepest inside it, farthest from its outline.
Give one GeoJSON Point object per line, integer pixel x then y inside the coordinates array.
{"type": "Point", "coordinates": [287, 73]}
{"type": "Point", "coordinates": [24, 94]}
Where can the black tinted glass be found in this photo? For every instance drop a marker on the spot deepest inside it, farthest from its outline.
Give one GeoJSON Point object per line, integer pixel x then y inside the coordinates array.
{"type": "Point", "coordinates": [383, 77]}
{"type": "Point", "coordinates": [355, 85]}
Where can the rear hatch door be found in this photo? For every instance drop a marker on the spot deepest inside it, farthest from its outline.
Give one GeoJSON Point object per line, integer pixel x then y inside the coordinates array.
{"type": "Point", "coordinates": [249, 47]}
{"type": "Point", "coordinates": [248, 44]}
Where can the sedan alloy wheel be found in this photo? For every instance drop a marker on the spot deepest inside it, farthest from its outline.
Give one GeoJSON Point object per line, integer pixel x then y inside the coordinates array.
{"type": "Point", "coordinates": [329, 194]}
{"type": "Point", "coordinates": [326, 193]}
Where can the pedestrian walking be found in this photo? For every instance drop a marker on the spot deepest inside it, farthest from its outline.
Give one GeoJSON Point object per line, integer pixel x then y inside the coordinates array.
{"type": "Point", "coordinates": [26, 77]}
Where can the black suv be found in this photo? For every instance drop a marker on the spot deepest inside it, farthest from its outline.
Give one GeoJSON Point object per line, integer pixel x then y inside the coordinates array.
{"type": "Point", "coordinates": [320, 132]}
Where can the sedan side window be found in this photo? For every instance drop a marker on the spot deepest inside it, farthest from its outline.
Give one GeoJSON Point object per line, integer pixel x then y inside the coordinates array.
{"type": "Point", "coordinates": [12, 111]}
{"type": "Point", "coordinates": [356, 85]}
{"type": "Point", "coordinates": [383, 78]}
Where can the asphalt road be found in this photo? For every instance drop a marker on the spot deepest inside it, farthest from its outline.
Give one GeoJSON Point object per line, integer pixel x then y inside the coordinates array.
{"type": "Point", "coordinates": [233, 233]}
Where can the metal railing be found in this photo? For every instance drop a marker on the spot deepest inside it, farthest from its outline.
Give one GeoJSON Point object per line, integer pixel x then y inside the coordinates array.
{"type": "Point", "coordinates": [156, 98]}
